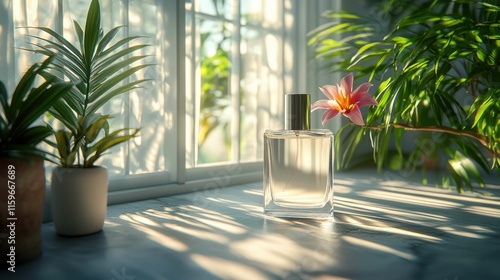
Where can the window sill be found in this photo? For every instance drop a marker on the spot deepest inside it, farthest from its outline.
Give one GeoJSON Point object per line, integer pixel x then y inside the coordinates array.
{"type": "Point", "coordinates": [128, 191]}
{"type": "Point", "coordinates": [384, 228]}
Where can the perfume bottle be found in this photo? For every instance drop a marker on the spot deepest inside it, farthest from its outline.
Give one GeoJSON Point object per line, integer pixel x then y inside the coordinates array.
{"type": "Point", "coordinates": [298, 165]}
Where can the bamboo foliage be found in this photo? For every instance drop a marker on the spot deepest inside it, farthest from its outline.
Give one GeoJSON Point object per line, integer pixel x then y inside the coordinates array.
{"type": "Point", "coordinates": [438, 70]}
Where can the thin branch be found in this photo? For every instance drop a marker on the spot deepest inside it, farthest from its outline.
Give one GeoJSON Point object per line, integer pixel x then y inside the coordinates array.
{"type": "Point", "coordinates": [481, 138]}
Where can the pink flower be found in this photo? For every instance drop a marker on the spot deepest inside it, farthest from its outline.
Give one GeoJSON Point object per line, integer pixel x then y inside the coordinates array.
{"type": "Point", "coordinates": [341, 99]}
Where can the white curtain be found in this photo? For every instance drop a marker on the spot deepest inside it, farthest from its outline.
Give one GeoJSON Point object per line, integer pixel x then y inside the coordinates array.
{"type": "Point", "coordinates": [151, 108]}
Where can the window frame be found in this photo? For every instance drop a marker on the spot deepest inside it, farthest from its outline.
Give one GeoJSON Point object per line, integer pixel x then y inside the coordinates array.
{"type": "Point", "coordinates": [303, 77]}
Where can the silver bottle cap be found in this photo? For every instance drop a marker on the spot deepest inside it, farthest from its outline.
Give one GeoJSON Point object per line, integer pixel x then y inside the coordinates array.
{"type": "Point", "coordinates": [297, 111]}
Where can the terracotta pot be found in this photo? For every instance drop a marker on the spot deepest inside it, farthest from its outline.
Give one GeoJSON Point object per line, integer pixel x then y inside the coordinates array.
{"type": "Point", "coordinates": [22, 199]}
{"type": "Point", "coordinates": [79, 200]}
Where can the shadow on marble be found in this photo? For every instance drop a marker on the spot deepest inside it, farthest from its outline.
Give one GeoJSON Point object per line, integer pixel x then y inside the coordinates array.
{"type": "Point", "coordinates": [382, 230]}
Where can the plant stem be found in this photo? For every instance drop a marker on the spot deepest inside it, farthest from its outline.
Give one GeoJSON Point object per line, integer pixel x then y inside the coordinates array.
{"type": "Point", "coordinates": [481, 138]}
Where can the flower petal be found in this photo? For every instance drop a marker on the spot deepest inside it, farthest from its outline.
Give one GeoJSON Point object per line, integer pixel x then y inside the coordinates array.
{"type": "Point", "coordinates": [335, 105]}
{"type": "Point", "coordinates": [328, 115]}
{"type": "Point", "coordinates": [363, 99]}
{"type": "Point", "coordinates": [320, 104]}
{"type": "Point", "coordinates": [346, 83]}
{"type": "Point", "coordinates": [364, 87]}
{"type": "Point", "coordinates": [355, 115]}
{"type": "Point", "coordinates": [330, 91]}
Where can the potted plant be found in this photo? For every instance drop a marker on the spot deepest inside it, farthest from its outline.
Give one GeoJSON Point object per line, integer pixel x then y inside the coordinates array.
{"type": "Point", "coordinates": [98, 66]}
{"type": "Point", "coordinates": [437, 65]}
{"type": "Point", "coordinates": [22, 163]}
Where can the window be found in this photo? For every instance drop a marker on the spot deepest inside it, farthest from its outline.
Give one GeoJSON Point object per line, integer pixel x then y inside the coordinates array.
{"type": "Point", "coordinates": [236, 73]}
{"type": "Point", "coordinates": [152, 107]}
{"type": "Point", "coordinates": [222, 68]}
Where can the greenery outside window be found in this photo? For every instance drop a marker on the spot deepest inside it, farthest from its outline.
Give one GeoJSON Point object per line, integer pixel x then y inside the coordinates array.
{"type": "Point", "coordinates": [236, 73]}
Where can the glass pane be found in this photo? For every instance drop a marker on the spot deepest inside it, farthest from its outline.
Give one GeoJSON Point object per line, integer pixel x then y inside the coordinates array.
{"type": "Point", "coordinates": [230, 107]}
{"type": "Point", "coordinates": [24, 14]}
{"type": "Point", "coordinates": [214, 141]}
{"type": "Point", "coordinates": [220, 8]}
{"type": "Point", "coordinates": [267, 14]}
{"type": "Point", "coordinates": [251, 91]}
{"type": "Point", "coordinates": [251, 11]}
{"type": "Point", "coordinates": [261, 90]}
{"type": "Point", "coordinates": [148, 105]}
{"type": "Point", "coordinates": [191, 60]}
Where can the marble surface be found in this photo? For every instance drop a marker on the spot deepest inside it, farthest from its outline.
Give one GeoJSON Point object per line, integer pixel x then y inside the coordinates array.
{"type": "Point", "coordinates": [384, 228]}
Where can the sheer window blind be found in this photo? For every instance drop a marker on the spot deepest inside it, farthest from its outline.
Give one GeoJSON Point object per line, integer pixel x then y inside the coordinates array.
{"type": "Point", "coordinates": [221, 70]}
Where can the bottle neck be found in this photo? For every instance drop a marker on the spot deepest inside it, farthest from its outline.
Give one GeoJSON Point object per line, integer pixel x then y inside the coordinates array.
{"type": "Point", "coordinates": [297, 111]}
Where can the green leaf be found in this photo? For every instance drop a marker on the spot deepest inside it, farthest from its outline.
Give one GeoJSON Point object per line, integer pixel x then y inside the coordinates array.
{"type": "Point", "coordinates": [107, 39]}
{"type": "Point", "coordinates": [398, 133]}
{"type": "Point", "coordinates": [79, 34]}
{"type": "Point", "coordinates": [100, 71]}
{"type": "Point", "coordinates": [348, 152]}
{"type": "Point", "coordinates": [88, 120]}
{"type": "Point", "coordinates": [100, 76]}
{"type": "Point", "coordinates": [38, 102]}
{"type": "Point", "coordinates": [106, 96]}
{"type": "Point", "coordinates": [111, 50]}
{"type": "Point", "coordinates": [366, 47]}
{"type": "Point", "coordinates": [27, 105]}
{"type": "Point", "coordinates": [481, 110]}
{"type": "Point", "coordinates": [34, 135]}
{"type": "Point", "coordinates": [64, 114]}
{"type": "Point", "coordinates": [4, 98]}
{"type": "Point", "coordinates": [73, 100]}
{"type": "Point", "coordinates": [63, 141]}
{"type": "Point", "coordinates": [21, 152]}
{"type": "Point", "coordinates": [22, 90]}
{"type": "Point", "coordinates": [108, 142]}
{"type": "Point", "coordinates": [326, 29]}
{"type": "Point", "coordinates": [92, 125]}
{"type": "Point", "coordinates": [92, 29]}
{"type": "Point", "coordinates": [64, 46]}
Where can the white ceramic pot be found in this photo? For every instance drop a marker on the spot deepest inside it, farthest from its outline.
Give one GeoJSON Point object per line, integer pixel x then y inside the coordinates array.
{"type": "Point", "coordinates": [79, 200]}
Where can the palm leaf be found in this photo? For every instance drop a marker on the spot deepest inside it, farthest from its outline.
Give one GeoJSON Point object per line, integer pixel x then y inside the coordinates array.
{"type": "Point", "coordinates": [108, 142]}
{"type": "Point", "coordinates": [64, 46]}
{"type": "Point", "coordinates": [102, 94]}
{"type": "Point", "coordinates": [97, 70]}
{"type": "Point", "coordinates": [64, 114]}
{"type": "Point", "coordinates": [107, 39]}
{"type": "Point", "coordinates": [34, 135]}
{"type": "Point", "coordinates": [37, 103]}
{"type": "Point", "coordinates": [27, 104]}
{"type": "Point", "coordinates": [92, 125]}
{"type": "Point", "coordinates": [22, 90]}
{"type": "Point", "coordinates": [120, 44]}
{"type": "Point", "coordinates": [73, 100]}
{"type": "Point", "coordinates": [92, 29]}
{"type": "Point", "coordinates": [79, 34]}
{"type": "Point", "coordinates": [104, 99]}
{"type": "Point", "coordinates": [63, 143]}
{"type": "Point", "coordinates": [4, 97]}
{"type": "Point", "coordinates": [100, 75]}
{"type": "Point", "coordinates": [60, 52]}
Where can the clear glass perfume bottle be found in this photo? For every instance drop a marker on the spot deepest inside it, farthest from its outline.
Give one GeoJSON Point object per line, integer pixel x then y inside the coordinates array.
{"type": "Point", "coordinates": [298, 165]}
